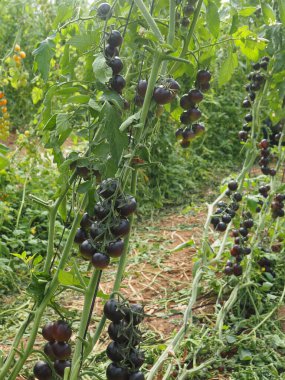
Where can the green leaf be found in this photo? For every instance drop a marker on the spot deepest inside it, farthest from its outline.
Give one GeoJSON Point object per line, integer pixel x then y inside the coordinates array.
{"type": "Point", "coordinates": [266, 286]}
{"type": "Point", "coordinates": [37, 94]}
{"type": "Point", "coordinates": [79, 99]}
{"type": "Point", "coordinates": [68, 278]}
{"type": "Point", "coordinates": [181, 246]}
{"type": "Point", "coordinates": [84, 42]}
{"type": "Point", "coordinates": [247, 11]}
{"type": "Point", "coordinates": [213, 19]}
{"type": "Point", "coordinates": [129, 121]}
{"type": "Point", "coordinates": [252, 202]}
{"type": "Point", "coordinates": [64, 12]}
{"type": "Point", "coordinates": [84, 187]}
{"type": "Point", "coordinates": [235, 22]}
{"type": "Point", "coordinates": [4, 148]}
{"type": "Point", "coordinates": [268, 14]}
{"type": "Point", "coordinates": [3, 161]}
{"type": "Point", "coordinates": [231, 339]}
{"type": "Point", "coordinates": [245, 355]}
{"type": "Point", "coordinates": [51, 123]}
{"type": "Point", "coordinates": [43, 54]}
{"type": "Point", "coordinates": [101, 70]}
{"type": "Point", "coordinates": [228, 67]}
{"type": "Point", "coordinates": [281, 4]}
{"type": "Point", "coordinates": [62, 122]}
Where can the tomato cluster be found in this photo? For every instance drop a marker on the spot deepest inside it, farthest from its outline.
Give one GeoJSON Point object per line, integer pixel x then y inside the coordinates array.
{"type": "Point", "coordinates": [265, 158]}
{"type": "Point", "coordinates": [19, 55]}
{"type": "Point", "coordinates": [126, 336]}
{"type": "Point", "coordinates": [226, 212]}
{"type": "Point", "coordinates": [57, 349]}
{"type": "Point", "coordinates": [189, 102]}
{"type": "Point", "coordinates": [277, 206]}
{"type": "Point", "coordinates": [165, 92]}
{"type": "Point", "coordinates": [4, 119]}
{"type": "Point", "coordinates": [257, 80]}
{"type": "Point", "coordinates": [100, 236]}
{"type": "Point", "coordinates": [266, 265]}
{"type": "Point", "coordinates": [187, 11]}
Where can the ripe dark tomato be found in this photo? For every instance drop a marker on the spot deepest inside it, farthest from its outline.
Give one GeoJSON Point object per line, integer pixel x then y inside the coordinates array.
{"type": "Point", "coordinates": [243, 136]}
{"type": "Point", "coordinates": [264, 161]}
{"type": "Point", "coordinates": [258, 78]}
{"type": "Point", "coordinates": [126, 205]}
{"type": "Point", "coordinates": [80, 236]}
{"type": "Point", "coordinates": [265, 152]}
{"type": "Point", "coordinates": [188, 134]}
{"type": "Point", "coordinates": [255, 86]}
{"type": "Point", "coordinates": [136, 358]}
{"type": "Point", "coordinates": [49, 351]}
{"type": "Point", "coordinates": [228, 271]}
{"type": "Point", "coordinates": [100, 260]}
{"type": "Point", "coordinates": [272, 172]}
{"type": "Point", "coordinates": [178, 133]}
{"type": "Point", "coordinates": [108, 187]}
{"type": "Point", "coordinates": [247, 87]}
{"type": "Point", "coordinates": [115, 372]}
{"type": "Point", "coordinates": [235, 233]}
{"type": "Point", "coordinates": [222, 204]}
{"type": "Point", "coordinates": [256, 66]}
{"type": "Point", "coordinates": [203, 76]}
{"type": "Point", "coordinates": [111, 51]}
{"type": "Point", "coordinates": [173, 85]}
{"type": "Point", "coordinates": [162, 95]}
{"type": "Point", "coordinates": [231, 212]}
{"type": "Point", "coordinates": [61, 331]}
{"type": "Point", "coordinates": [185, 102]}
{"type": "Point", "coordinates": [112, 311]}
{"type": "Point", "coordinates": [280, 197]}
{"type": "Point", "coordinates": [60, 365]}
{"type": "Point", "coordinates": [248, 223]}
{"type": "Point", "coordinates": [204, 87]}
{"type": "Point", "coordinates": [248, 118]}
{"type": "Point", "coordinates": [243, 231]}
{"type": "Point", "coordinates": [61, 350]}
{"type": "Point", "coordinates": [85, 221]}
{"type": "Point", "coordinates": [119, 332]}
{"type": "Point", "coordinates": [115, 248]}
{"type": "Point", "coordinates": [265, 170]}
{"type": "Point", "coordinates": [185, 118]}
{"type": "Point", "coordinates": [221, 227]}
{"type": "Point", "coordinates": [266, 59]}
{"type": "Point", "coordinates": [142, 87]}
{"type": "Point", "coordinates": [115, 38]}
{"type": "Point", "coordinates": [194, 114]}
{"type": "Point", "coordinates": [246, 251]}
{"type": "Point", "coordinates": [234, 206]}
{"type": "Point", "coordinates": [185, 144]}
{"type": "Point", "coordinates": [264, 144]}
{"type": "Point", "coordinates": [96, 230]}
{"type": "Point", "coordinates": [116, 65]}
{"type": "Point", "coordinates": [237, 197]}
{"type": "Point", "coordinates": [118, 83]}
{"type": "Point", "coordinates": [138, 375]}
{"type": "Point", "coordinates": [114, 352]}
{"type": "Point", "coordinates": [246, 103]}
{"type": "Point", "coordinates": [102, 210]}
{"type": "Point", "coordinates": [233, 185]}
{"type": "Point", "coordinates": [246, 128]}
{"type": "Point", "coordinates": [188, 10]}
{"type": "Point", "coordinates": [264, 65]}
{"type": "Point", "coordinates": [237, 270]}
{"type": "Point", "coordinates": [138, 100]}
{"type": "Point", "coordinates": [236, 250]}
{"type": "Point", "coordinates": [121, 227]}
{"type": "Point", "coordinates": [47, 332]}
{"type": "Point", "coordinates": [226, 218]}
{"type": "Point", "coordinates": [42, 371]}
{"type": "Point", "coordinates": [86, 249]}
{"type": "Point", "coordinates": [195, 96]}
{"type": "Point", "coordinates": [251, 96]}
{"type": "Point", "coordinates": [135, 314]}
{"type": "Point", "coordinates": [83, 172]}
{"type": "Point", "coordinates": [215, 220]}
{"type": "Point", "coordinates": [185, 22]}
{"type": "Point", "coordinates": [104, 11]}
{"type": "Point", "coordinates": [198, 129]}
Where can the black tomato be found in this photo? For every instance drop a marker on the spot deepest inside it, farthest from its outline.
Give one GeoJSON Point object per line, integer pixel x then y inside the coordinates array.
{"type": "Point", "coordinates": [118, 83]}
{"type": "Point", "coordinates": [80, 236]}
{"type": "Point", "coordinates": [173, 85]}
{"type": "Point", "coordinates": [118, 332]}
{"type": "Point", "coordinates": [49, 351]}
{"type": "Point", "coordinates": [108, 187]}
{"type": "Point", "coordinates": [47, 332]}
{"type": "Point", "coordinates": [248, 118]}
{"type": "Point", "coordinates": [138, 375]}
{"type": "Point", "coordinates": [111, 51]}
{"type": "Point", "coordinates": [237, 270]}
{"type": "Point", "coordinates": [61, 331]}
{"type": "Point", "coordinates": [96, 230]}
{"type": "Point", "coordinates": [112, 311]}
{"type": "Point", "coordinates": [102, 210]}
{"type": "Point", "coordinates": [114, 352]}
{"type": "Point", "coordinates": [195, 96]}
{"type": "Point", "coordinates": [61, 350]}
{"type": "Point", "coordinates": [115, 38]}
{"type": "Point", "coordinates": [237, 197]}
{"type": "Point", "coordinates": [194, 114]}
{"type": "Point", "coordinates": [185, 102]}
{"type": "Point", "coordinates": [115, 248]}
{"type": "Point", "coordinates": [116, 65]}
{"type": "Point", "coordinates": [136, 358]}
{"type": "Point", "coordinates": [135, 314]}
{"type": "Point", "coordinates": [104, 11]}
{"type": "Point", "coordinates": [60, 365]}
{"type": "Point", "coordinates": [42, 371]}
{"type": "Point", "coordinates": [121, 227]}
{"type": "Point", "coordinates": [221, 227]}
{"type": "Point", "coordinates": [188, 134]}
{"type": "Point", "coordinates": [162, 95]}
{"type": "Point", "coordinates": [100, 260]}
{"type": "Point", "coordinates": [126, 205]}
{"type": "Point", "coordinates": [142, 87]}
{"type": "Point", "coordinates": [85, 221]}
{"type": "Point", "coordinates": [86, 249]}
{"type": "Point", "coordinates": [232, 185]}
{"type": "Point", "coordinates": [203, 76]}
{"type": "Point", "coordinates": [198, 129]}
{"type": "Point", "coordinates": [115, 372]}
{"type": "Point", "coordinates": [246, 103]}
{"type": "Point", "coordinates": [188, 10]}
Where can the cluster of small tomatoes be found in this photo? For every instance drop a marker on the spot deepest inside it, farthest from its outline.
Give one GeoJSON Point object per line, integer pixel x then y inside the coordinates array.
{"type": "Point", "coordinates": [19, 55]}
{"type": "Point", "coordinates": [100, 236]}
{"type": "Point", "coordinates": [126, 337]}
{"type": "Point", "coordinates": [187, 11]}
{"type": "Point", "coordinates": [57, 349]}
{"type": "Point", "coordinates": [5, 117]}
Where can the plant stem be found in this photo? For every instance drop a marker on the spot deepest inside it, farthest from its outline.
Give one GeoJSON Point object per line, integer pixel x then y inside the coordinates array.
{"type": "Point", "coordinates": [189, 35]}
{"type": "Point", "coordinates": [23, 196]}
{"type": "Point", "coordinates": [149, 19]}
{"type": "Point", "coordinates": [171, 31]}
{"type": "Point", "coordinates": [47, 297]}
{"type": "Point", "coordinates": [89, 295]}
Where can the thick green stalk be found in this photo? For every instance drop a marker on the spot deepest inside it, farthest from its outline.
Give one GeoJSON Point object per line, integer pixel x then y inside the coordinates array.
{"type": "Point", "coordinates": [49, 294]}
{"type": "Point", "coordinates": [89, 295]}
{"type": "Point", "coordinates": [149, 19]}
{"type": "Point", "coordinates": [189, 35]}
